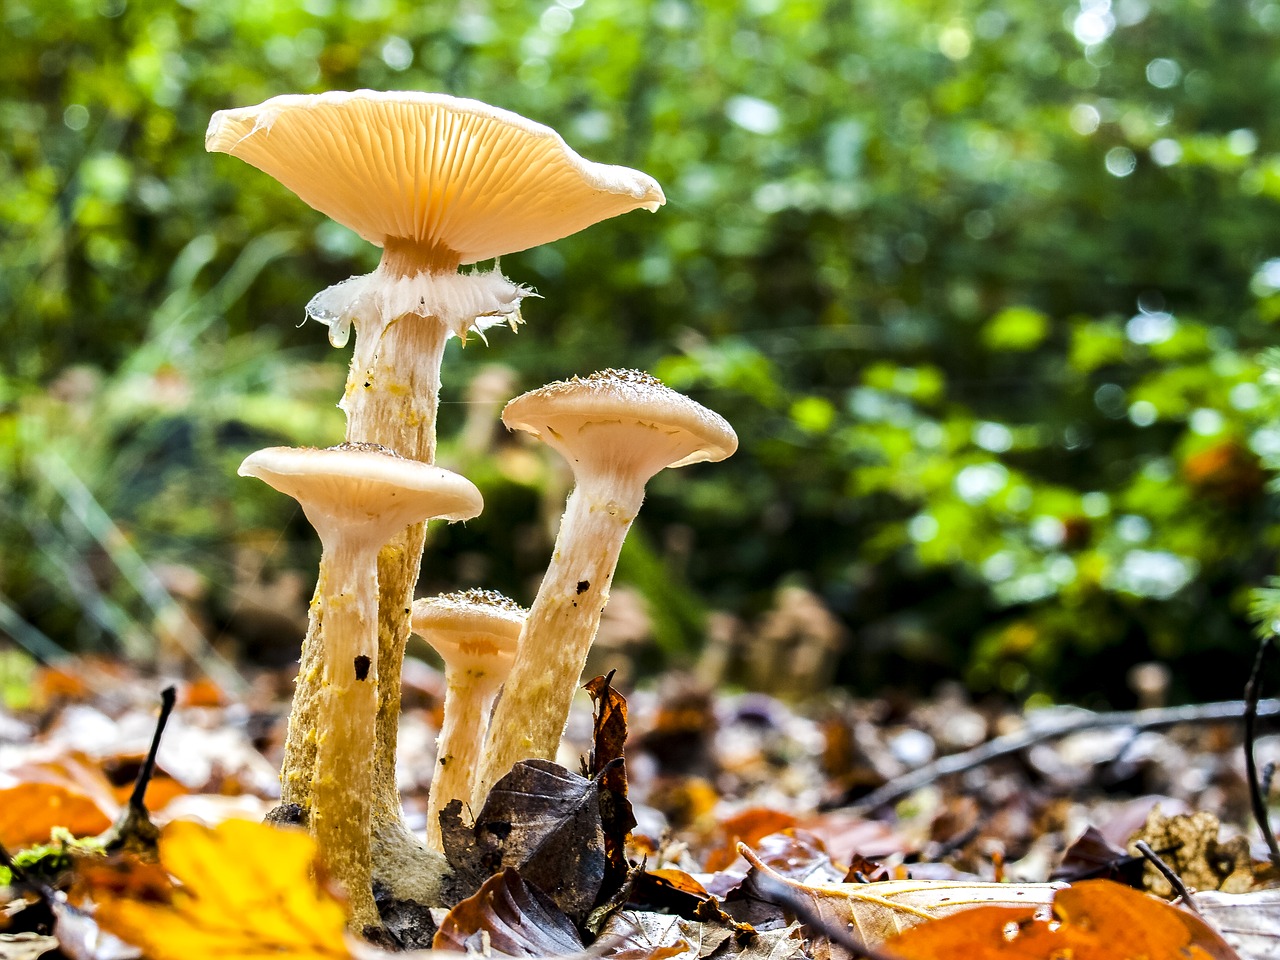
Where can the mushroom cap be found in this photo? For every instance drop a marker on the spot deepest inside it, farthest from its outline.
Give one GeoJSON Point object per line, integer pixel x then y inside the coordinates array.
{"type": "Point", "coordinates": [444, 173]}
{"type": "Point", "coordinates": [471, 624]}
{"type": "Point", "coordinates": [655, 421]}
{"type": "Point", "coordinates": [363, 485]}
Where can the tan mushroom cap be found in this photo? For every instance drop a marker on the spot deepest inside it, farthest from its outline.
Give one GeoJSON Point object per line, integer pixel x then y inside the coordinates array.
{"type": "Point", "coordinates": [471, 622]}
{"type": "Point", "coordinates": [451, 175]}
{"type": "Point", "coordinates": [363, 484]}
{"type": "Point", "coordinates": [560, 411]}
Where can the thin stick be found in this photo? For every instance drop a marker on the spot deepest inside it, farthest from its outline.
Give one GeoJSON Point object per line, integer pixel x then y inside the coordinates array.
{"type": "Point", "coordinates": [1057, 728]}
{"type": "Point", "coordinates": [137, 799]}
{"type": "Point", "coordinates": [1256, 799]}
{"type": "Point", "coordinates": [1166, 871]}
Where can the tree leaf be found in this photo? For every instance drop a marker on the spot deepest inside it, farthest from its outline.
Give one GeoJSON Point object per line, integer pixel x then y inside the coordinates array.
{"type": "Point", "coordinates": [608, 766]}
{"type": "Point", "coordinates": [1250, 922]}
{"type": "Point", "coordinates": [876, 911]}
{"type": "Point", "coordinates": [1093, 920]}
{"type": "Point", "coordinates": [512, 918]}
{"type": "Point", "coordinates": [69, 792]}
{"type": "Point", "coordinates": [541, 819]}
{"type": "Point", "coordinates": [243, 890]}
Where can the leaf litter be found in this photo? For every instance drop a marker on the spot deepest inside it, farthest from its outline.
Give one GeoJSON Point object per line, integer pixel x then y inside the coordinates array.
{"type": "Point", "coordinates": [726, 826]}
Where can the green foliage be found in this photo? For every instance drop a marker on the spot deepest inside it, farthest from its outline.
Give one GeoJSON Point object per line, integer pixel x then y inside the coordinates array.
{"type": "Point", "coordinates": [980, 287]}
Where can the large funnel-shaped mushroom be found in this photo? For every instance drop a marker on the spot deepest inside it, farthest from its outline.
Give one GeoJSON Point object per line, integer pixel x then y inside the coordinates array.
{"type": "Point", "coordinates": [616, 428]}
{"type": "Point", "coordinates": [437, 182]}
{"type": "Point", "coordinates": [357, 496]}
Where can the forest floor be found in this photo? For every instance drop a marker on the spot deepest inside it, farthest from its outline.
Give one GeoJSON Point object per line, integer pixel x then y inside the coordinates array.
{"type": "Point", "coordinates": [830, 797]}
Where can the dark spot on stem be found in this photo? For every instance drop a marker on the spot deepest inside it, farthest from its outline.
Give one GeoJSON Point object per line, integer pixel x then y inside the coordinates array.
{"type": "Point", "coordinates": [362, 667]}
{"type": "Point", "coordinates": [584, 586]}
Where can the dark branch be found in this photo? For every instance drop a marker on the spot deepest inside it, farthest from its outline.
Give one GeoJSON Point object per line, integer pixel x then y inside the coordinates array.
{"type": "Point", "coordinates": [1252, 690]}
{"type": "Point", "coordinates": [1040, 732]}
{"type": "Point", "coordinates": [1166, 871]}
{"type": "Point", "coordinates": [168, 697]}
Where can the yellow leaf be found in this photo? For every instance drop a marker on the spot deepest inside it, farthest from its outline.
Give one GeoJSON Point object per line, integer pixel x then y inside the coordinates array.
{"type": "Point", "coordinates": [243, 890]}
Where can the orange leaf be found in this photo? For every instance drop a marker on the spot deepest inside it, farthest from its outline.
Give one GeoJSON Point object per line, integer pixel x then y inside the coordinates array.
{"type": "Point", "coordinates": [1093, 920]}
{"type": "Point", "coordinates": [748, 827]}
{"type": "Point", "coordinates": [244, 890]}
{"type": "Point", "coordinates": [70, 792]}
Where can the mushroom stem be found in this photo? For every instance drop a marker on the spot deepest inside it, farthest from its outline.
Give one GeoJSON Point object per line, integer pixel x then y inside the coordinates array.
{"type": "Point", "coordinates": [391, 397]}
{"type": "Point", "coordinates": [534, 706]}
{"type": "Point", "coordinates": [345, 711]}
{"type": "Point", "coordinates": [467, 699]}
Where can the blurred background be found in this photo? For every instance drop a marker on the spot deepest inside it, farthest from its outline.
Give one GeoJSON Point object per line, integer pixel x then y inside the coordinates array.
{"type": "Point", "coordinates": [985, 289]}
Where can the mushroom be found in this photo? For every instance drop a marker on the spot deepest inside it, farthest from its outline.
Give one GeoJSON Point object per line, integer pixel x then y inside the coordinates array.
{"type": "Point", "coordinates": [475, 632]}
{"type": "Point", "coordinates": [437, 182]}
{"type": "Point", "coordinates": [357, 496]}
{"type": "Point", "coordinates": [616, 428]}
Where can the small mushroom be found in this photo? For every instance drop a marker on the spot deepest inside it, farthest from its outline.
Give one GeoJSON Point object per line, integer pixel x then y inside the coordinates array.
{"type": "Point", "coordinates": [437, 182]}
{"type": "Point", "coordinates": [476, 633]}
{"type": "Point", "coordinates": [357, 496]}
{"type": "Point", "coordinates": [616, 428]}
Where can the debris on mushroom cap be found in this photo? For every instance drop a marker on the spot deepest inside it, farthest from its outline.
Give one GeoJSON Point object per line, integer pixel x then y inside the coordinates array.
{"type": "Point", "coordinates": [363, 482]}
{"type": "Point", "coordinates": [490, 602]}
{"type": "Point", "coordinates": [622, 396]}
{"type": "Point", "coordinates": [456, 178]}
{"type": "Point", "coordinates": [455, 619]}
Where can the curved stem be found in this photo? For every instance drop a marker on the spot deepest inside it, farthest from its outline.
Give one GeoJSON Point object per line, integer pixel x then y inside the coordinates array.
{"type": "Point", "coordinates": [534, 706]}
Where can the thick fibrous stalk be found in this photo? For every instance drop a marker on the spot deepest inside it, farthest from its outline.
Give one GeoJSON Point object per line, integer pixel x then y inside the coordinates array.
{"type": "Point", "coordinates": [468, 696]}
{"type": "Point", "coordinates": [345, 707]}
{"type": "Point", "coordinates": [390, 400]}
{"type": "Point", "coordinates": [534, 706]}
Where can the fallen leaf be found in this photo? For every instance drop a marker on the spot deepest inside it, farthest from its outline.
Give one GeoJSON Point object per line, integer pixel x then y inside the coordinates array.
{"type": "Point", "coordinates": [644, 935]}
{"type": "Point", "coordinates": [243, 890]}
{"type": "Point", "coordinates": [25, 946]}
{"type": "Point", "coordinates": [69, 792]}
{"type": "Point", "coordinates": [1250, 922]}
{"type": "Point", "coordinates": [1189, 844]}
{"type": "Point", "coordinates": [607, 765]}
{"type": "Point", "coordinates": [541, 819]}
{"type": "Point", "coordinates": [1092, 920]}
{"type": "Point", "coordinates": [876, 911]}
{"type": "Point", "coordinates": [748, 827]}
{"type": "Point", "coordinates": [508, 917]}
{"type": "Point", "coordinates": [1093, 856]}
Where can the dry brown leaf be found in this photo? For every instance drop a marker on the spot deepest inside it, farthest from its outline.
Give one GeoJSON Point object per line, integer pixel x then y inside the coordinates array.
{"type": "Point", "coordinates": [243, 890]}
{"type": "Point", "coordinates": [877, 911]}
{"type": "Point", "coordinates": [510, 918]}
{"type": "Point", "coordinates": [1189, 844]}
{"type": "Point", "coordinates": [1250, 922]}
{"type": "Point", "coordinates": [1093, 920]}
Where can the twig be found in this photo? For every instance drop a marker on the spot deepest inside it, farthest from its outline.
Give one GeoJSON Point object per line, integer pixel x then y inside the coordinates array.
{"type": "Point", "coordinates": [1252, 689]}
{"type": "Point", "coordinates": [1054, 729]}
{"type": "Point", "coordinates": [133, 829]}
{"type": "Point", "coordinates": [168, 697]}
{"type": "Point", "coordinates": [1166, 871]}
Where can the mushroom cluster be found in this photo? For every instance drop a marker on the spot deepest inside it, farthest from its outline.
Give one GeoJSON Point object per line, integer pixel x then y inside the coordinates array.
{"type": "Point", "coordinates": [439, 182]}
